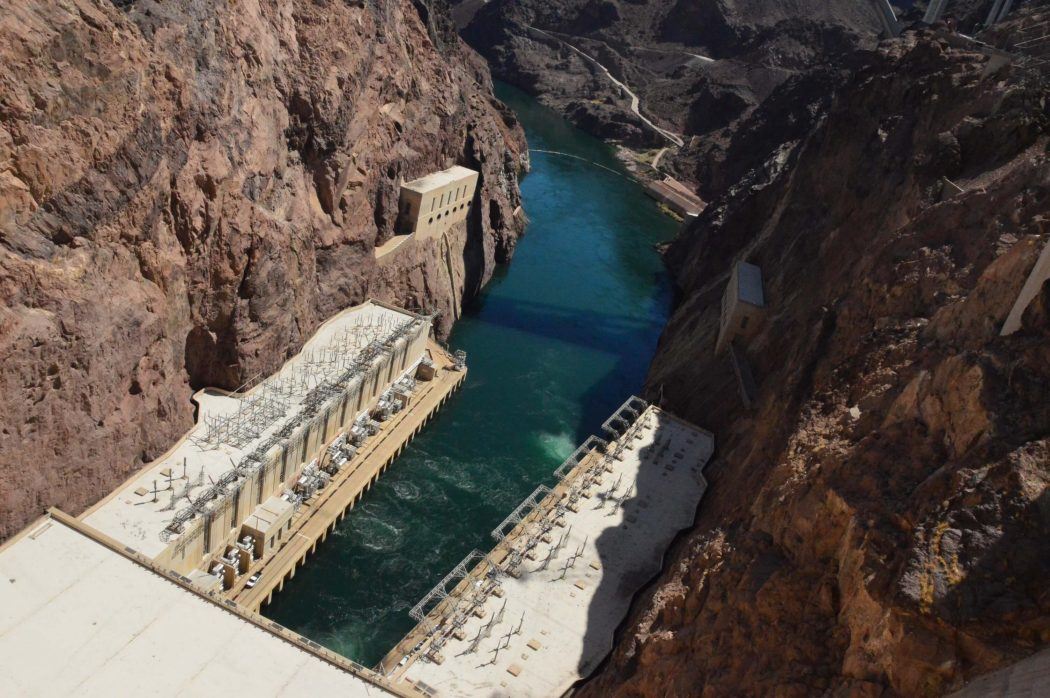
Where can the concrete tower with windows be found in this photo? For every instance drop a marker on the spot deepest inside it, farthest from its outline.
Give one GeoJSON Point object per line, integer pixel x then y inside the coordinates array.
{"type": "Point", "coordinates": [743, 305]}
{"type": "Point", "coordinates": [431, 204]}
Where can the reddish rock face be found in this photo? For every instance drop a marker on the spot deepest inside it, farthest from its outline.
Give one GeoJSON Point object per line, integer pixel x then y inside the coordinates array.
{"type": "Point", "coordinates": [188, 189]}
{"type": "Point", "coordinates": [878, 523]}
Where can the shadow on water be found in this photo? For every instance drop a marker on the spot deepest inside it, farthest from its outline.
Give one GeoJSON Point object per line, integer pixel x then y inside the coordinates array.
{"type": "Point", "coordinates": [591, 330]}
{"type": "Point", "coordinates": [555, 343]}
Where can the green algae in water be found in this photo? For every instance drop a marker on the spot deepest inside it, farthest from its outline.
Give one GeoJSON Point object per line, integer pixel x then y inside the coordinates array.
{"type": "Point", "coordinates": [555, 343]}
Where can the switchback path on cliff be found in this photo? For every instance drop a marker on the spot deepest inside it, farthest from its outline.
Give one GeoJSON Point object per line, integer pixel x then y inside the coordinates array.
{"type": "Point", "coordinates": [635, 102]}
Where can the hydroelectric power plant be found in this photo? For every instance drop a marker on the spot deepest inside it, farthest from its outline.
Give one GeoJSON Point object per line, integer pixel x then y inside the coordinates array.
{"type": "Point", "coordinates": [537, 612]}
{"type": "Point", "coordinates": [330, 366]}
{"type": "Point", "coordinates": [228, 515]}
{"type": "Point", "coordinates": [184, 556]}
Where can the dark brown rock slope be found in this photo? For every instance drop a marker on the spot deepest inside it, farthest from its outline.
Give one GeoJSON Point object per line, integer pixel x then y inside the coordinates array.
{"type": "Point", "coordinates": [187, 189]}
{"type": "Point", "coordinates": [879, 522]}
{"type": "Point", "coordinates": [697, 66]}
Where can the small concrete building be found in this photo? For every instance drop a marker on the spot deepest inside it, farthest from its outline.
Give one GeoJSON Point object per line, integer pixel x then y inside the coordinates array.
{"type": "Point", "coordinates": [268, 524]}
{"type": "Point", "coordinates": [677, 197]}
{"type": "Point", "coordinates": [743, 305]}
{"type": "Point", "coordinates": [431, 204]}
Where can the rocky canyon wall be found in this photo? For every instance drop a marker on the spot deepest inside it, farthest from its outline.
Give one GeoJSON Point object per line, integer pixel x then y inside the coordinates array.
{"type": "Point", "coordinates": [187, 189]}
{"type": "Point", "coordinates": [878, 521]}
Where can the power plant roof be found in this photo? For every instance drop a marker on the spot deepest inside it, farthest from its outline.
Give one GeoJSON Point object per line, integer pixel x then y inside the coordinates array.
{"type": "Point", "coordinates": [436, 180]}
{"type": "Point", "coordinates": [749, 284]}
{"type": "Point", "coordinates": [77, 618]}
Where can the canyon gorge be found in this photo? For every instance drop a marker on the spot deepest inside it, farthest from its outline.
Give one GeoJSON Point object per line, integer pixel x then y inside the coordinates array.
{"type": "Point", "coordinates": [877, 522]}
{"type": "Point", "coordinates": [188, 190]}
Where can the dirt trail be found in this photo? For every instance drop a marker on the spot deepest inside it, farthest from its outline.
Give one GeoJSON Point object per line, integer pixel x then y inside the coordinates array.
{"type": "Point", "coordinates": [635, 103]}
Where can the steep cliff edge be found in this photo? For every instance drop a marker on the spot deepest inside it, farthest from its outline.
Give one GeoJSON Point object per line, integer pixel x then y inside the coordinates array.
{"type": "Point", "coordinates": [188, 189]}
{"type": "Point", "coordinates": [878, 523]}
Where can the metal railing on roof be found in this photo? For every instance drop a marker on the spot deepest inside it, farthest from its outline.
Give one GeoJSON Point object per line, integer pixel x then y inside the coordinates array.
{"type": "Point", "coordinates": [527, 506]}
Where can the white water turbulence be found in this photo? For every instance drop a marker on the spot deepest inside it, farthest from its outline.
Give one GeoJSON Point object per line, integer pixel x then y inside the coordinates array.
{"type": "Point", "coordinates": [558, 446]}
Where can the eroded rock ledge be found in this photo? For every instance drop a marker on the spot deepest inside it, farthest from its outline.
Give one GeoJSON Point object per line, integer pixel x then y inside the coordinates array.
{"type": "Point", "coordinates": [188, 189]}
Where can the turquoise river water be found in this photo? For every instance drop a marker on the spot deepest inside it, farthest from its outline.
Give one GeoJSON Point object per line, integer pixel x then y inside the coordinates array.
{"type": "Point", "coordinates": [555, 343]}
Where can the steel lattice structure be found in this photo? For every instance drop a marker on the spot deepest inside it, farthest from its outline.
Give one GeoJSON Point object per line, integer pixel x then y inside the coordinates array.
{"type": "Point", "coordinates": [321, 379]}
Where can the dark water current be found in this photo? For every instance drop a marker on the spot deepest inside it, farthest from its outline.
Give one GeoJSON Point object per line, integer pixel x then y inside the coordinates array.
{"type": "Point", "coordinates": [556, 342]}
